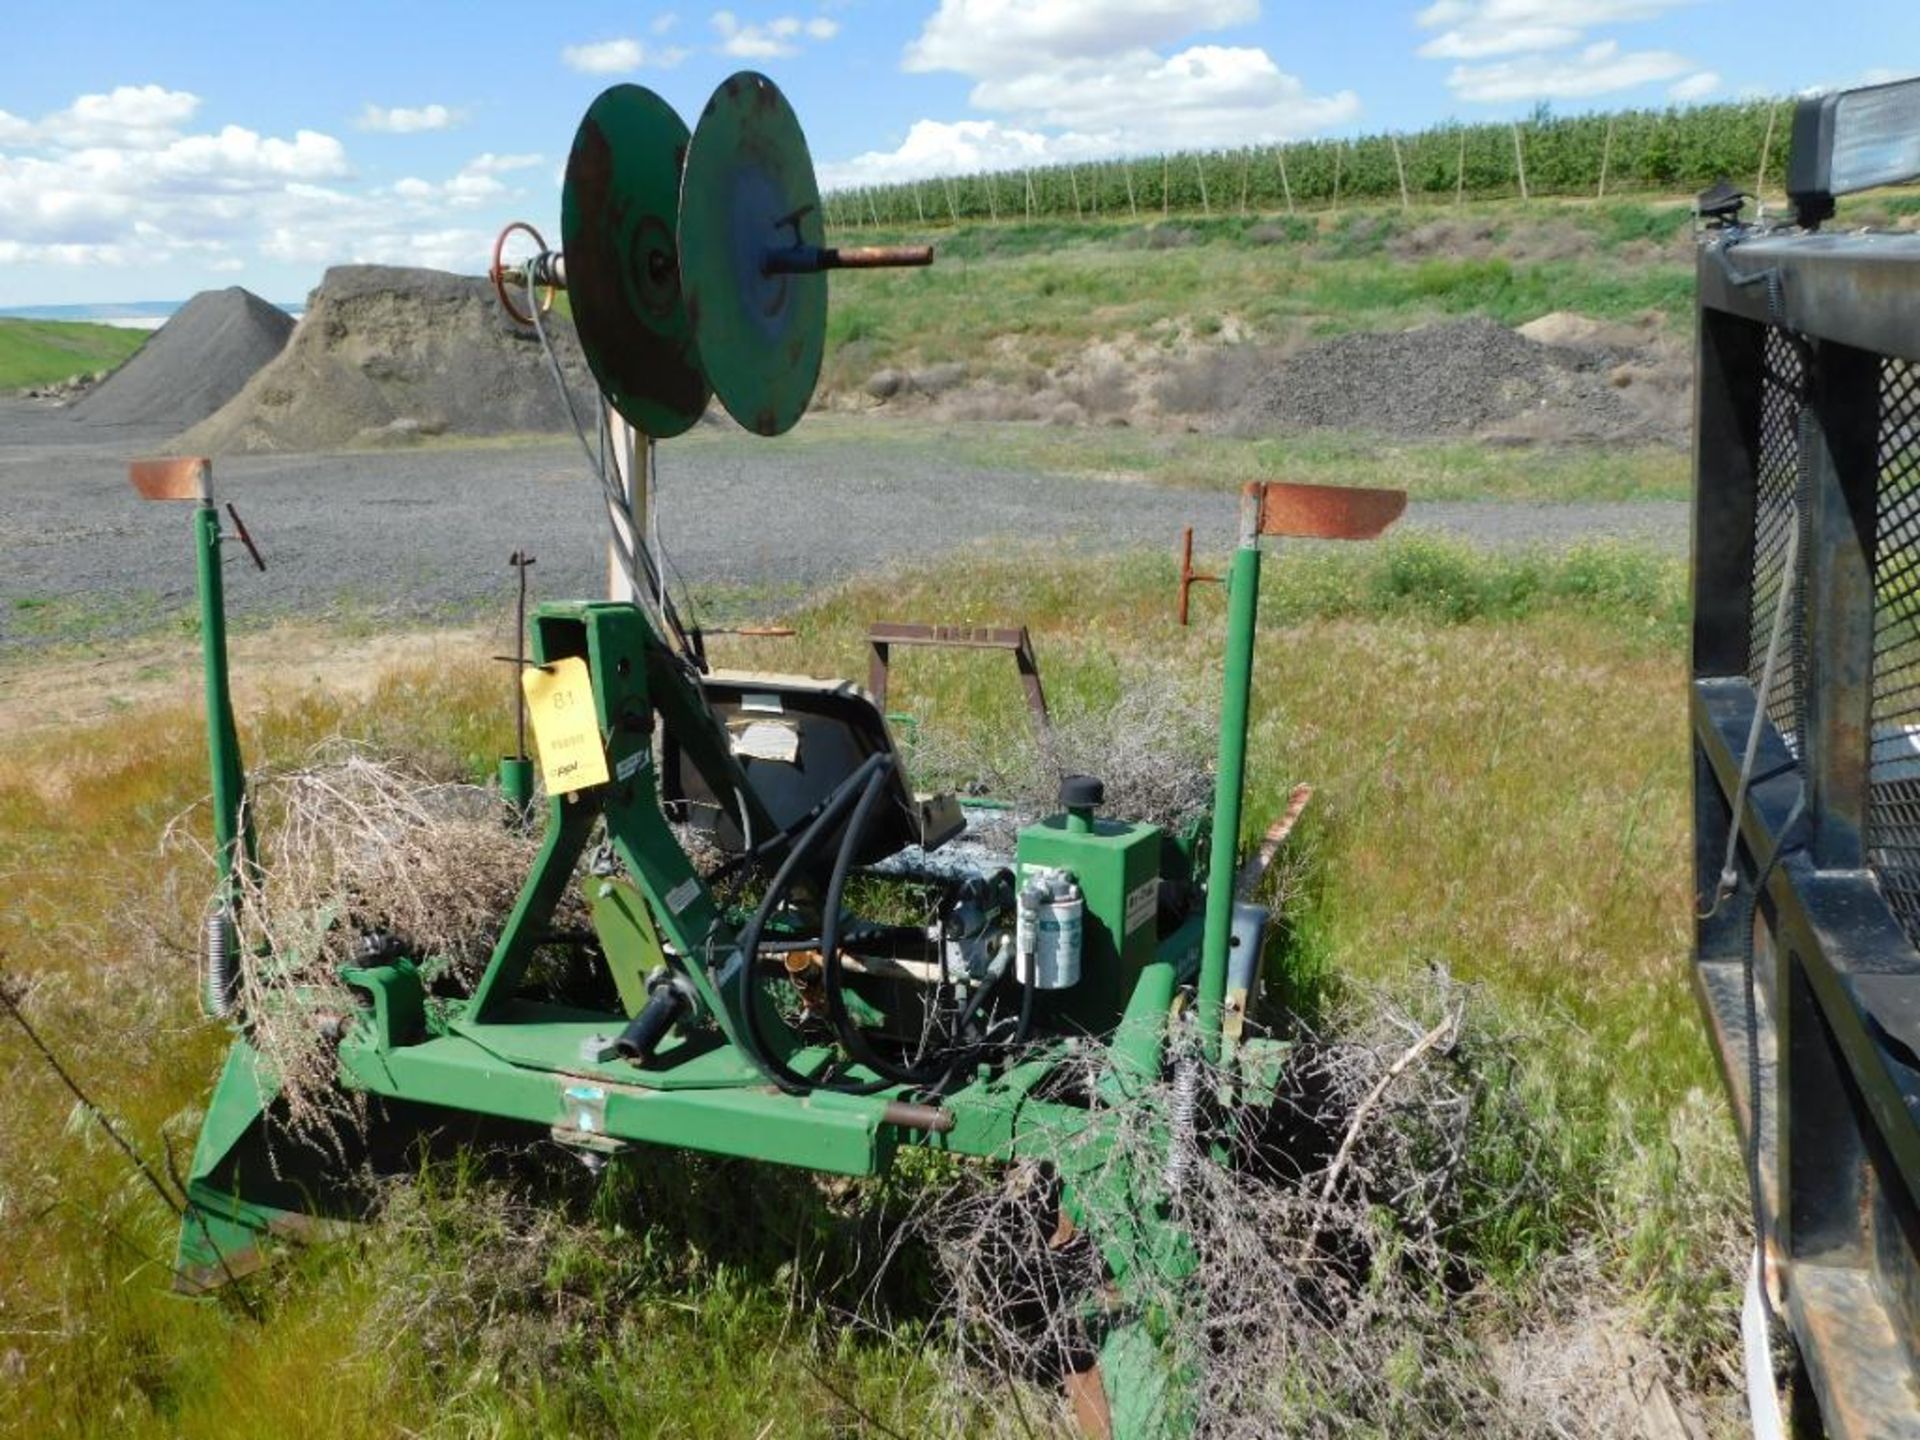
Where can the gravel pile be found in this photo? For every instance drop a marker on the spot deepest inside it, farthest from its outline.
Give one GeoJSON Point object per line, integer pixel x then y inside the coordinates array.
{"type": "Point", "coordinates": [387, 355]}
{"type": "Point", "coordinates": [192, 365]}
{"type": "Point", "coordinates": [1463, 377]}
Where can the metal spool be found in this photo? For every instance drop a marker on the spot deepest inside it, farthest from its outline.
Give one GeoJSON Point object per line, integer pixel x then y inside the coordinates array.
{"type": "Point", "coordinates": [750, 193]}
{"type": "Point", "coordinates": [619, 229]}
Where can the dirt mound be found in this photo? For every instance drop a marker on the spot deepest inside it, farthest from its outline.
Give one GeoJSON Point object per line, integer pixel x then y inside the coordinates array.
{"type": "Point", "coordinates": [192, 365]}
{"type": "Point", "coordinates": [386, 355]}
{"type": "Point", "coordinates": [1463, 377]}
{"type": "Point", "coordinates": [1568, 327]}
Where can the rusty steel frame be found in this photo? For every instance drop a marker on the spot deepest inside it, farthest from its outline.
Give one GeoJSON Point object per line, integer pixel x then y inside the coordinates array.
{"type": "Point", "coordinates": [883, 635]}
{"type": "Point", "coordinates": [1817, 955]}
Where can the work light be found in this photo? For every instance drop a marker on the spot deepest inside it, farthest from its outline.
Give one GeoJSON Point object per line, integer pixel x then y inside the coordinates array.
{"type": "Point", "coordinates": [1852, 140]}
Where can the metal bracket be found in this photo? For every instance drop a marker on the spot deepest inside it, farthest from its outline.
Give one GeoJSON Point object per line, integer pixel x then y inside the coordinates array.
{"type": "Point", "coordinates": [883, 635]}
{"type": "Point", "coordinates": [1190, 577]}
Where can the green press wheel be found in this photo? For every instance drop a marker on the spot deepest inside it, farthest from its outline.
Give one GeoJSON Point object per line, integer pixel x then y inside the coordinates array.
{"type": "Point", "coordinates": [749, 190]}
{"type": "Point", "coordinates": [619, 227]}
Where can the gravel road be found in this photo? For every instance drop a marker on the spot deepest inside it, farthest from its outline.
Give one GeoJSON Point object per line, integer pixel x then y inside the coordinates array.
{"type": "Point", "coordinates": [415, 535]}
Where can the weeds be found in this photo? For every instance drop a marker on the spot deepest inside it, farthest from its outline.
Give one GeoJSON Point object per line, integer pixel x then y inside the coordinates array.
{"type": "Point", "coordinates": [1498, 750]}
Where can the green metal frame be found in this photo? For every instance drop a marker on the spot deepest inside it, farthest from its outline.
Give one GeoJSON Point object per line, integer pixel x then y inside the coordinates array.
{"type": "Point", "coordinates": [502, 1056]}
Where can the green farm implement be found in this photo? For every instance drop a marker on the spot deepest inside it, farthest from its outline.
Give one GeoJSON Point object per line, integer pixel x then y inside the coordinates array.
{"type": "Point", "coordinates": [781, 1027]}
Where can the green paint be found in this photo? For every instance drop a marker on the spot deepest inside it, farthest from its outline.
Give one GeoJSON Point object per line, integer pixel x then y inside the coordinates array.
{"type": "Point", "coordinates": [516, 783]}
{"type": "Point", "coordinates": [1230, 784]}
{"type": "Point", "coordinates": [619, 214]}
{"type": "Point", "coordinates": [1117, 867]}
{"type": "Point", "coordinates": [233, 834]}
{"type": "Point", "coordinates": [627, 938]}
{"type": "Point", "coordinates": [750, 189]}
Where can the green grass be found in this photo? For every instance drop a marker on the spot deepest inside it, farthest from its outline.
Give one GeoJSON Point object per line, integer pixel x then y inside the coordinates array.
{"type": "Point", "coordinates": [43, 352]}
{"type": "Point", "coordinates": [1009, 299]}
{"type": "Point", "coordinates": [1426, 470]}
{"type": "Point", "coordinates": [1498, 747]}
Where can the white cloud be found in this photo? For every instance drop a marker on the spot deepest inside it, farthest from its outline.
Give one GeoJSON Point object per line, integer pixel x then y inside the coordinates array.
{"type": "Point", "coordinates": [474, 183]}
{"type": "Point", "coordinates": [1543, 50]}
{"type": "Point", "coordinates": [1696, 86]}
{"type": "Point", "coordinates": [621, 56]}
{"type": "Point", "coordinates": [137, 117]}
{"type": "Point", "coordinates": [1476, 29]}
{"type": "Point", "coordinates": [1597, 70]}
{"type": "Point", "coordinates": [401, 120]}
{"type": "Point", "coordinates": [980, 37]}
{"type": "Point", "coordinates": [239, 158]}
{"type": "Point", "coordinates": [1089, 77]}
{"type": "Point", "coordinates": [769, 41]}
{"type": "Point", "coordinates": [959, 147]}
{"type": "Point", "coordinates": [664, 22]}
{"type": "Point", "coordinates": [117, 180]}
{"type": "Point", "coordinates": [492, 164]}
{"type": "Point", "coordinates": [1208, 94]}
{"type": "Point", "coordinates": [605, 57]}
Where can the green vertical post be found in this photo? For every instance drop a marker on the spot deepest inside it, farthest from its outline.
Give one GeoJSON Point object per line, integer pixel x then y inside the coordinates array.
{"type": "Point", "coordinates": [516, 784]}
{"type": "Point", "coordinates": [233, 838]}
{"type": "Point", "coordinates": [1229, 792]}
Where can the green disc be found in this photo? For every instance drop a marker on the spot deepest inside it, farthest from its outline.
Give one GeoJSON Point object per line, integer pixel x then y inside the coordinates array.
{"type": "Point", "coordinates": [619, 222]}
{"type": "Point", "coordinates": [749, 189]}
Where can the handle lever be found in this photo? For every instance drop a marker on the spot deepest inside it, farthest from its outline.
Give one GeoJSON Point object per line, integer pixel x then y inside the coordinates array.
{"type": "Point", "coordinates": [240, 529]}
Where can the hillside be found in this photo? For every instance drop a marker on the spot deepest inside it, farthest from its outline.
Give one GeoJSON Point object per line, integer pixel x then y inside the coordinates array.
{"type": "Point", "coordinates": [45, 352]}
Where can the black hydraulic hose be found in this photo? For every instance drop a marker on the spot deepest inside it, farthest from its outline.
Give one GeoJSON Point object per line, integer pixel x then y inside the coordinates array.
{"type": "Point", "coordinates": [832, 972]}
{"type": "Point", "coordinates": [938, 1075]}
{"type": "Point", "coordinates": [776, 1070]}
{"type": "Point", "coordinates": [781, 836]}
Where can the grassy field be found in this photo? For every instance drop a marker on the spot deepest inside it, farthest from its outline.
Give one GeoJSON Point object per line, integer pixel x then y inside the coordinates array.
{"type": "Point", "coordinates": [1003, 298]}
{"type": "Point", "coordinates": [43, 352]}
{"type": "Point", "coordinates": [1499, 752]}
{"type": "Point", "coordinates": [1425, 469]}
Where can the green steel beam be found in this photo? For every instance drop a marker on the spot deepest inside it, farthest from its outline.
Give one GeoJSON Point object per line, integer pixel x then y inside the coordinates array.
{"type": "Point", "coordinates": [1230, 783]}
{"type": "Point", "coordinates": [232, 828]}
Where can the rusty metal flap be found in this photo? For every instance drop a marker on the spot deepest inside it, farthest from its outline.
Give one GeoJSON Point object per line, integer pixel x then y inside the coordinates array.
{"type": "Point", "coordinates": [1326, 512]}
{"type": "Point", "coordinates": [175, 478]}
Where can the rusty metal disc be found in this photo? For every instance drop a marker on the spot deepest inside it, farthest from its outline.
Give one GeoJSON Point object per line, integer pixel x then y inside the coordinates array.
{"type": "Point", "coordinates": [619, 228]}
{"type": "Point", "coordinates": [750, 190]}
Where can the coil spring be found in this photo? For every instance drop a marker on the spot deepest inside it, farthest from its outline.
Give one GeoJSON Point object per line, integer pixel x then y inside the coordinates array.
{"type": "Point", "coordinates": [1186, 1105]}
{"type": "Point", "coordinates": [218, 949]}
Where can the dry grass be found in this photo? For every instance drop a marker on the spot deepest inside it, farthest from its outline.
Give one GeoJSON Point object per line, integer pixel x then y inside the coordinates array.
{"type": "Point", "coordinates": [1336, 1288]}
{"type": "Point", "coordinates": [1501, 793]}
{"type": "Point", "coordinates": [1152, 749]}
{"type": "Point", "coordinates": [358, 854]}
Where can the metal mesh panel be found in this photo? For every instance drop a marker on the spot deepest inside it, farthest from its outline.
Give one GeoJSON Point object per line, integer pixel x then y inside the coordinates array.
{"type": "Point", "coordinates": [1784, 385]}
{"type": "Point", "coordinates": [1893, 795]}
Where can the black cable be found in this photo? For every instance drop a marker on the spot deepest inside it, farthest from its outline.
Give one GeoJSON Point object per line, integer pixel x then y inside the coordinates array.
{"type": "Point", "coordinates": [776, 1070]}
{"type": "Point", "coordinates": [934, 1076]}
{"type": "Point", "coordinates": [849, 1032]}
{"type": "Point", "coordinates": [727, 868]}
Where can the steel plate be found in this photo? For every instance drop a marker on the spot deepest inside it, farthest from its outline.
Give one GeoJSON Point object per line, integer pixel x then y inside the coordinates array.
{"type": "Point", "coordinates": [750, 189]}
{"type": "Point", "coordinates": [619, 228]}
{"type": "Point", "coordinates": [1326, 512]}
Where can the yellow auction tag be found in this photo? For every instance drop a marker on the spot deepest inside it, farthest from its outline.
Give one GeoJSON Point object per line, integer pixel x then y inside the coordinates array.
{"type": "Point", "coordinates": [566, 731]}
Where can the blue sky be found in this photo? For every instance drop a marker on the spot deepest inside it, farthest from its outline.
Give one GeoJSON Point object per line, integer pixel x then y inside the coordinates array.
{"type": "Point", "coordinates": [150, 150]}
